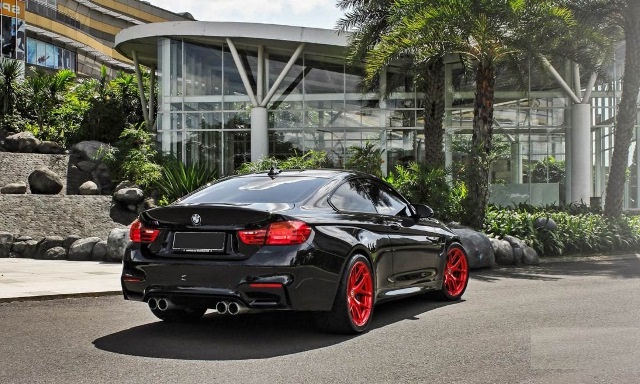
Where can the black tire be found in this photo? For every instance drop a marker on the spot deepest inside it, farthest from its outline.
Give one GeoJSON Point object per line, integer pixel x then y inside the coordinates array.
{"type": "Point", "coordinates": [455, 274]}
{"type": "Point", "coordinates": [180, 315]}
{"type": "Point", "coordinates": [352, 310]}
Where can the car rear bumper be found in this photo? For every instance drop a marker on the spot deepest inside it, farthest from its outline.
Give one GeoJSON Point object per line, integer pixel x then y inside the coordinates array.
{"type": "Point", "coordinates": [201, 283]}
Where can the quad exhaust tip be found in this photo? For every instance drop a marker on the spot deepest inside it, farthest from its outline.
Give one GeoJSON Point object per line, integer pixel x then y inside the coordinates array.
{"type": "Point", "coordinates": [230, 308]}
{"type": "Point", "coordinates": [222, 307]}
{"type": "Point", "coordinates": [161, 304]}
{"type": "Point", "coordinates": [153, 304]}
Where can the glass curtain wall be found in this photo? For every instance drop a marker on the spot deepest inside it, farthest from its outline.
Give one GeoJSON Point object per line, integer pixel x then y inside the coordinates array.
{"type": "Point", "coordinates": [531, 116]}
{"type": "Point", "coordinates": [531, 119]}
{"type": "Point", "coordinates": [204, 111]}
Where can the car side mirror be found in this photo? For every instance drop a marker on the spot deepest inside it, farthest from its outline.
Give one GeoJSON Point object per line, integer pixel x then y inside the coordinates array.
{"type": "Point", "coordinates": [423, 211]}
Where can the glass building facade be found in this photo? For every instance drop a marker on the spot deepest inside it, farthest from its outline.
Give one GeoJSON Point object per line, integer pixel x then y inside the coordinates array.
{"type": "Point", "coordinates": [204, 109]}
{"type": "Point", "coordinates": [204, 114]}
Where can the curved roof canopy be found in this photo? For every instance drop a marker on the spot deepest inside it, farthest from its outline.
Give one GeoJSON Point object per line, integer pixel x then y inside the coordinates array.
{"type": "Point", "coordinates": [143, 38]}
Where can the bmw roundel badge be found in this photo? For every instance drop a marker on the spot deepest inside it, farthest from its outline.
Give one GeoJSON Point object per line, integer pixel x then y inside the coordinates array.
{"type": "Point", "coordinates": [196, 219]}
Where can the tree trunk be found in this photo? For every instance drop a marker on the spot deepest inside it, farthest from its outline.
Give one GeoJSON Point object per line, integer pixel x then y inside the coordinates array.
{"type": "Point", "coordinates": [627, 111]}
{"type": "Point", "coordinates": [433, 88]}
{"type": "Point", "coordinates": [478, 168]}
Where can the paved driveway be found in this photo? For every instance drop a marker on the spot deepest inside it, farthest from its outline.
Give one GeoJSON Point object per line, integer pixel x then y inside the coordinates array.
{"type": "Point", "coordinates": [564, 322]}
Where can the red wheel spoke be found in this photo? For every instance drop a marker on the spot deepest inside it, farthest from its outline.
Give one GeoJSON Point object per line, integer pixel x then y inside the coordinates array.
{"type": "Point", "coordinates": [360, 293]}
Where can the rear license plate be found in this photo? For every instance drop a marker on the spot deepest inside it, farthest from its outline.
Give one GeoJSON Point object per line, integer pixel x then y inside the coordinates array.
{"type": "Point", "coordinates": [199, 241]}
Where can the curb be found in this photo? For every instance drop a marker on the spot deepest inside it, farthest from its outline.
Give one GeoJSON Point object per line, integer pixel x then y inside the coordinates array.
{"type": "Point", "coordinates": [562, 259]}
{"type": "Point", "coordinates": [59, 296]}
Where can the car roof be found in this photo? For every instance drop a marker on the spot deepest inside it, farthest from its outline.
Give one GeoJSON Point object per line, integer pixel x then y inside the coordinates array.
{"type": "Point", "coordinates": [320, 173]}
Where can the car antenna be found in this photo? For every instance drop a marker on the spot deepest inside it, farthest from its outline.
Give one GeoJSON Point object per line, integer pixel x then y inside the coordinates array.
{"type": "Point", "coordinates": [274, 171]}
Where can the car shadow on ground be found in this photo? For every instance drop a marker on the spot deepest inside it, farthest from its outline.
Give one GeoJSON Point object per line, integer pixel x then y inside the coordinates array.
{"type": "Point", "coordinates": [619, 267]}
{"type": "Point", "coordinates": [248, 336]}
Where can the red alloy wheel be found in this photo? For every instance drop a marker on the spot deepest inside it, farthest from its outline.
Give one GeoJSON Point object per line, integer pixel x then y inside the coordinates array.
{"type": "Point", "coordinates": [360, 293]}
{"type": "Point", "coordinates": [456, 272]}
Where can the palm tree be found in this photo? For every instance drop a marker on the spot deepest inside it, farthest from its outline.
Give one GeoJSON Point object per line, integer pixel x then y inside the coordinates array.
{"type": "Point", "coordinates": [484, 33]}
{"type": "Point", "coordinates": [46, 91]}
{"type": "Point", "coordinates": [627, 14]}
{"type": "Point", "coordinates": [369, 21]}
{"type": "Point", "coordinates": [10, 72]}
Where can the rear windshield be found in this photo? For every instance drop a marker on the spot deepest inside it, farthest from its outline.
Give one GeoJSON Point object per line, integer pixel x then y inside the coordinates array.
{"type": "Point", "coordinates": [257, 189]}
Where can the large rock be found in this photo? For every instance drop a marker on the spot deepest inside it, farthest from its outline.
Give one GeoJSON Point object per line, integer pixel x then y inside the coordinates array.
{"type": "Point", "coordinates": [518, 249]}
{"type": "Point", "coordinates": [121, 215]}
{"type": "Point", "coordinates": [25, 248]}
{"type": "Point", "coordinates": [56, 253]}
{"type": "Point", "coordinates": [21, 142]}
{"type": "Point", "coordinates": [19, 188]}
{"type": "Point", "coordinates": [50, 147]}
{"type": "Point", "coordinates": [503, 252]}
{"type": "Point", "coordinates": [44, 181]}
{"type": "Point", "coordinates": [99, 252]}
{"type": "Point", "coordinates": [126, 184]}
{"type": "Point", "coordinates": [545, 223]}
{"type": "Point", "coordinates": [129, 196]}
{"type": "Point", "coordinates": [530, 256]}
{"type": "Point", "coordinates": [91, 150]}
{"type": "Point", "coordinates": [82, 249]}
{"type": "Point", "coordinates": [117, 243]}
{"type": "Point", "coordinates": [6, 241]}
{"type": "Point", "coordinates": [478, 247]}
{"type": "Point", "coordinates": [68, 242]}
{"type": "Point", "coordinates": [89, 188]}
{"type": "Point", "coordinates": [86, 166]}
{"type": "Point", "coordinates": [46, 244]}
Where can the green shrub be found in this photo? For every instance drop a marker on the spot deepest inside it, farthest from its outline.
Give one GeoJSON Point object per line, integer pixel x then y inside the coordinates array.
{"type": "Point", "coordinates": [310, 160]}
{"type": "Point", "coordinates": [134, 157]}
{"type": "Point", "coordinates": [366, 159]}
{"type": "Point", "coordinates": [422, 185]}
{"type": "Point", "coordinates": [582, 233]}
{"type": "Point", "coordinates": [178, 180]}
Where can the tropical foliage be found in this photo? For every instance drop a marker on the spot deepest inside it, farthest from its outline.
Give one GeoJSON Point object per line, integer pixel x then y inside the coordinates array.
{"type": "Point", "coordinates": [309, 160]}
{"type": "Point", "coordinates": [424, 185]}
{"type": "Point", "coordinates": [178, 180]}
{"type": "Point", "coordinates": [484, 33]}
{"type": "Point", "coordinates": [371, 20]}
{"type": "Point", "coordinates": [134, 157]}
{"type": "Point", "coordinates": [59, 107]}
{"type": "Point", "coordinates": [367, 158]}
{"type": "Point", "coordinates": [576, 233]}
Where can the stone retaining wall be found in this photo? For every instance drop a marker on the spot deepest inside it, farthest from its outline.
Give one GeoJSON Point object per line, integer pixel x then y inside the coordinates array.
{"type": "Point", "coordinates": [56, 215]}
{"type": "Point", "coordinates": [15, 167]}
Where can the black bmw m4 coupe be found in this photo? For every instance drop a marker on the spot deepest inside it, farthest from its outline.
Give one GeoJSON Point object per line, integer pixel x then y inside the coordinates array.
{"type": "Point", "coordinates": [331, 242]}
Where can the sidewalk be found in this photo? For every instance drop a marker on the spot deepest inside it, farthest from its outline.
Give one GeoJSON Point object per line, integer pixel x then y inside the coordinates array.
{"type": "Point", "coordinates": [29, 279]}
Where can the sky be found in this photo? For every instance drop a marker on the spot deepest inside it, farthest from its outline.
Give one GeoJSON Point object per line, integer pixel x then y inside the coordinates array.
{"type": "Point", "coordinates": [306, 13]}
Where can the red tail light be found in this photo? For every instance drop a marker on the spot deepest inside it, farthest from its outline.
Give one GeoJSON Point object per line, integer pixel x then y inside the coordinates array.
{"type": "Point", "coordinates": [139, 234]}
{"type": "Point", "coordinates": [280, 233]}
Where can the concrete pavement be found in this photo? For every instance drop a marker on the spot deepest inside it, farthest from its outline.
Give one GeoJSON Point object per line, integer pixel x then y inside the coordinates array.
{"type": "Point", "coordinates": [28, 279]}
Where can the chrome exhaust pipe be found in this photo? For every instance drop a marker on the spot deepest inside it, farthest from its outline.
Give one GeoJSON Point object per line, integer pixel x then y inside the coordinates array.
{"type": "Point", "coordinates": [164, 304]}
{"type": "Point", "coordinates": [235, 308]}
{"type": "Point", "coordinates": [222, 307]}
{"type": "Point", "coordinates": [153, 304]}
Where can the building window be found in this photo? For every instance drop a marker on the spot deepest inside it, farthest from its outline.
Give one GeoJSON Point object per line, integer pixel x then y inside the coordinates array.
{"type": "Point", "coordinates": [48, 55]}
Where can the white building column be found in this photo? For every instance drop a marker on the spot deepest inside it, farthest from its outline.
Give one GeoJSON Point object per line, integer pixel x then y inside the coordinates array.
{"type": "Point", "coordinates": [259, 115]}
{"type": "Point", "coordinates": [581, 175]}
{"type": "Point", "coordinates": [516, 163]}
{"type": "Point", "coordinates": [259, 133]}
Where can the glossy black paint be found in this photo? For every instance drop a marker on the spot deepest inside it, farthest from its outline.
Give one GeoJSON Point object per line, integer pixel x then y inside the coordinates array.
{"type": "Point", "coordinates": [407, 252]}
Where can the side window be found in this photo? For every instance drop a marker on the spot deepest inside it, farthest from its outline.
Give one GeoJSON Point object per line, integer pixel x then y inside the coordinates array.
{"type": "Point", "coordinates": [351, 197]}
{"type": "Point", "coordinates": [386, 200]}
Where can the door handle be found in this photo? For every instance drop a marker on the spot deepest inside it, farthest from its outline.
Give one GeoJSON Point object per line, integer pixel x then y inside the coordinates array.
{"type": "Point", "coordinates": [395, 227]}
